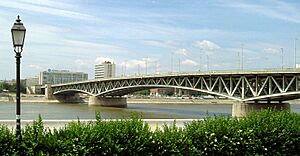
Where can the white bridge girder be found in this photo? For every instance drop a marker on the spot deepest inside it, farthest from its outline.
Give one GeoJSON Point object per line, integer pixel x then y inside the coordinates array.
{"type": "Point", "coordinates": [240, 87]}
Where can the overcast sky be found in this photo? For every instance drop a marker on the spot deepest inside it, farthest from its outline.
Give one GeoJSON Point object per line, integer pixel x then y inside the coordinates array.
{"type": "Point", "coordinates": [76, 34]}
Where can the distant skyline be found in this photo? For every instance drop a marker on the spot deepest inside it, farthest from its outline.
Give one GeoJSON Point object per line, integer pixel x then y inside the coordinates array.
{"type": "Point", "coordinates": [76, 34]}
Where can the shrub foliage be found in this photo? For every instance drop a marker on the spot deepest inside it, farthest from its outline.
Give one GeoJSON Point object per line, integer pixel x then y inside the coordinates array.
{"type": "Point", "coordinates": [264, 133]}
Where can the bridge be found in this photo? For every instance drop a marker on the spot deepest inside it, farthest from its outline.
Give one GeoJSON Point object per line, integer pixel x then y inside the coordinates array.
{"type": "Point", "coordinates": [264, 86]}
{"type": "Point", "coordinates": [242, 86]}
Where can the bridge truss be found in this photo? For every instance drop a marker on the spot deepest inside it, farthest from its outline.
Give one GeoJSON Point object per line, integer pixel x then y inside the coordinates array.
{"type": "Point", "coordinates": [240, 87]}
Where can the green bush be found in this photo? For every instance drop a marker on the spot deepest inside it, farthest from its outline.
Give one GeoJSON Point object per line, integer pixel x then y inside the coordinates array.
{"type": "Point", "coordinates": [171, 141]}
{"type": "Point", "coordinates": [7, 141]}
{"type": "Point", "coordinates": [264, 133]}
{"type": "Point", "coordinates": [121, 137]}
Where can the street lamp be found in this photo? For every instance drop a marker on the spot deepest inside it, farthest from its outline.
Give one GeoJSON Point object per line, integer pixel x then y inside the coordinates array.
{"type": "Point", "coordinates": [295, 52]}
{"type": "Point", "coordinates": [207, 58]}
{"type": "Point", "coordinates": [281, 58]}
{"type": "Point", "coordinates": [18, 35]}
{"type": "Point", "coordinates": [172, 63]}
{"type": "Point", "coordinates": [179, 65]}
{"type": "Point", "coordinates": [146, 65]}
{"type": "Point", "coordinates": [242, 65]}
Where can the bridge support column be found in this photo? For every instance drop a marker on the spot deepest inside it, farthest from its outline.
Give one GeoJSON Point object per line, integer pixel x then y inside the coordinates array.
{"type": "Point", "coordinates": [242, 109]}
{"type": "Point", "coordinates": [108, 101]}
{"type": "Point", "coordinates": [49, 93]}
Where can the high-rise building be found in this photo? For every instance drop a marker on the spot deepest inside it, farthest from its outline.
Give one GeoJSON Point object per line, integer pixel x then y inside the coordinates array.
{"type": "Point", "coordinates": [105, 70]}
{"type": "Point", "coordinates": [61, 76]}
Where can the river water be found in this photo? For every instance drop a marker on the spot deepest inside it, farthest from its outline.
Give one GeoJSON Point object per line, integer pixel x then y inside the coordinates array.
{"type": "Point", "coordinates": [59, 111]}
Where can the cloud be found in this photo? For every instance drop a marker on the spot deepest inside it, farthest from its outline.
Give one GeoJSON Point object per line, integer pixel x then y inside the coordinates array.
{"type": "Point", "coordinates": [91, 45]}
{"type": "Point", "coordinates": [206, 45]}
{"type": "Point", "coordinates": [275, 9]}
{"type": "Point", "coordinates": [139, 62]}
{"type": "Point", "coordinates": [271, 50]}
{"type": "Point", "coordinates": [182, 52]}
{"type": "Point", "coordinates": [34, 66]}
{"type": "Point", "coordinates": [47, 9]}
{"type": "Point", "coordinates": [83, 63]}
{"type": "Point", "coordinates": [50, 3]}
{"type": "Point", "coordinates": [149, 59]}
{"type": "Point", "coordinates": [100, 60]}
{"type": "Point", "coordinates": [134, 63]}
{"type": "Point", "coordinates": [189, 62]}
{"type": "Point", "coordinates": [170, 44]}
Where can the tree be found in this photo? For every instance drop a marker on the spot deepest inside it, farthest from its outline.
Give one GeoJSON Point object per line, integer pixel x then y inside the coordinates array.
{"type": "Point", "coordinates": [4, 86]}
{"type": "Point", "coordinates": [142, 92]}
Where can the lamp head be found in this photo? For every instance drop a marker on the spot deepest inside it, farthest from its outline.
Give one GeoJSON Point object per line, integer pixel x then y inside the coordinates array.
{"type": "Point", "coordinates": [18, 35]}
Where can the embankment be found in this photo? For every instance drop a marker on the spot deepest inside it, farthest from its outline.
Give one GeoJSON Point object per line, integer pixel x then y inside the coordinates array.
{"type": "Point", "coordinates": [180, 101]}
{"type": "Point", "coordinates": [41, 98]}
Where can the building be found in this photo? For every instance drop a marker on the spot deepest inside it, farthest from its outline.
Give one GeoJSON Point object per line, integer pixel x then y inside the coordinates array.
{"type": "Point", "coordinates": [61, 76]}
{"type": "Point", "coordinates": [36, 89]}
{"type": "Point", "coordinates": [105, 70]}
{"type": "Point", "coordinates": [32, 85]}
{"type": "Point", "coordinates": [162, 91]}
{"type": "Point", "coordinates": [172, 92]}
{"type": "Point", "coordinates": [32, 81]}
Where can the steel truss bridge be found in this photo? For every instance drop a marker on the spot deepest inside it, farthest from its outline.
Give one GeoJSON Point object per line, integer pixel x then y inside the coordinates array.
{"type": "Point", "coordinates": [271, 85]}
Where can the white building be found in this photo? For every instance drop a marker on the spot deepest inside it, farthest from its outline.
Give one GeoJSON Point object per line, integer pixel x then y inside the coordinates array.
{"type": "Point", "coordinates": [61, 76]}
{"type": "Point", "coordinates": [32, 85]}
{"type": "Point", "coordinates": [32, 81]}
{"type": "Point", "coordinates": [105, 70]}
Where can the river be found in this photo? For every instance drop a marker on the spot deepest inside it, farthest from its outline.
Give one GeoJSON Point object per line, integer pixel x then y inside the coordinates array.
{"type": "Point", "coordinates": [59, 111]}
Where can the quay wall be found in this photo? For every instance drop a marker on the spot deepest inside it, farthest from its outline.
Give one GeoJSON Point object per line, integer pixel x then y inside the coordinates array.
{"type": "Point", "coordinates": [42, 99]}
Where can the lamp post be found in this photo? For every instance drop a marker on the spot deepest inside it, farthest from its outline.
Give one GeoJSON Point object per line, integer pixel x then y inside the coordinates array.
{"type": "Point", "coordinates": [18, 35]}
{"type": "Point", "coordinates": [179, 65]}
{"type": "Point", "coordinates": [139, 69]}
{"type": "Point", "coordinates": [239, 60]}
{"type": "Point", "coordinates": [242, 65]}
{"type": "Point", "coordinates": [172, 63]}
{"type": "Point", "coordinates": [295, 52]}
{"type": "Point", "coordinates": [282, 58]}
{"type": "Point", "coordinates": [146, 65]}
{"type": "Point", "coordinates": [207, 58]}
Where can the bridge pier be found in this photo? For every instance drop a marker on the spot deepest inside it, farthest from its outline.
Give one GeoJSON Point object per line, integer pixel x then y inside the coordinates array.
{"type": "Point", "coordinates": [242, 109]}
{"type": "Point", "coordinates": [108, 101]}
{"type": "Point", "coordinates": [49, 93]}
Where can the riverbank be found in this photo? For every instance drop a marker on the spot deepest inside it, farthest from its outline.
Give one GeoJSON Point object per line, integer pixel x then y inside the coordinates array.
{"type": "Point", "coordinates": [180, 101]}
{"type": "Point", "coordinates": [26, 98]}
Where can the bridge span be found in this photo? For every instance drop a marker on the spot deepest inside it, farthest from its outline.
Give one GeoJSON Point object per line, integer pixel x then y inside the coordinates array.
{"type": "Point", "coordinates": [242, 86]}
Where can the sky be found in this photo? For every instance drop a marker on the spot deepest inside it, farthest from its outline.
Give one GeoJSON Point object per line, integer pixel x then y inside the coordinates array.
{"type": "Point", "coordinates": [150, 36]}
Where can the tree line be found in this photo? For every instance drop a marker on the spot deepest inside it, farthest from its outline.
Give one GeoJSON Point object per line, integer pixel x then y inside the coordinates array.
{"type": "Point", "coordinates": [11, 88]}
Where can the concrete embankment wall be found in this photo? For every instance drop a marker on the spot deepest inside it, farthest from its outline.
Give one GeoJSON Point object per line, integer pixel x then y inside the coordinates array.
{"type": "Point", "coordinates": [25, 98]}
{"type": "Point", "coordinates": [41, 98]}
{"type": "Point", "coordinates": [180, 101]}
